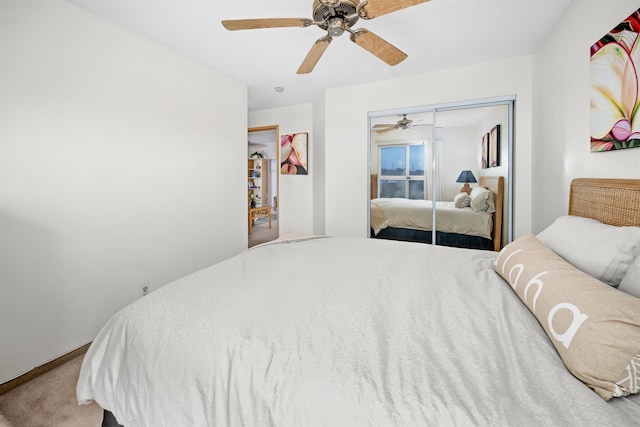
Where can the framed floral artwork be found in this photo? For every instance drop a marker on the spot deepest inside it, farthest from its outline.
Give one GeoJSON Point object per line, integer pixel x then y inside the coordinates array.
{"type": "Point", "coordinates": [615, 120]}
{"type": "Point", "coordinates": [293, 154]}
{"type": "Point", "coordinates": [485, 151]}
{"type": "Point", "coordinates": [494, 147]}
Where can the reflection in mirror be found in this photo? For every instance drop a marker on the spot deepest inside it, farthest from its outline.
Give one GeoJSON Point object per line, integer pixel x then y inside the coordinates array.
{"type": "Point", "coordinates": [452, 175]}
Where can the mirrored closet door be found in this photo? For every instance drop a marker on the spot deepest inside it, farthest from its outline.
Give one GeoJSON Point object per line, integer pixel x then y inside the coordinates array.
{"type": "Point", "coordinates": [442, 174]}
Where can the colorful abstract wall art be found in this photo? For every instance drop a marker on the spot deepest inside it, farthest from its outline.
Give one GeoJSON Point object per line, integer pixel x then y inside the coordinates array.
{"type": "Point", "coordinates": [293, 154]}
{"type": "Point", "coordinates": [615, 59]}
{"type": "Point", "coordinates": [494, 147]}
{"type": "Point", "coordinates": [485, 151]}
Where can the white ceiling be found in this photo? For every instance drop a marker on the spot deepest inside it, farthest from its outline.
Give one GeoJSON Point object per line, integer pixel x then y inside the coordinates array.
{"type": "Point", "coordinates": [436, 35]}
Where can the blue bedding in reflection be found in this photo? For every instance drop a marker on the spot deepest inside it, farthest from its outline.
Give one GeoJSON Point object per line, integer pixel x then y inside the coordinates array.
{"type": "Point", "coordinates": [442, 238]}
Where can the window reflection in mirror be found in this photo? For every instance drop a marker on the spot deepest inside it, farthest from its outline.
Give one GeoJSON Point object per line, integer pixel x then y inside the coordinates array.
{"type": "Point", "coordinates": [401, 171]}
{"type": "Point", "coordinates": [417, 179]}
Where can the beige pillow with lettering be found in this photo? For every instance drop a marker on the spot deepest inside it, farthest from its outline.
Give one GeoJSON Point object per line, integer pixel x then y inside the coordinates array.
{"type": "Point", "coordinates": [594, 327]}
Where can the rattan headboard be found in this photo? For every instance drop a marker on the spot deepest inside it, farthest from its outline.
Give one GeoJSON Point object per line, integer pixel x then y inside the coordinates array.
{"type": "Point", "coordinates": [611, 201]}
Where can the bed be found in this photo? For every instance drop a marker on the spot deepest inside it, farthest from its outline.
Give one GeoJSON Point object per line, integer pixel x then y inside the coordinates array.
{"type": "Point", "coordinates": [386, 333]}
{"type": "Point", "coordinates": [457, 225]}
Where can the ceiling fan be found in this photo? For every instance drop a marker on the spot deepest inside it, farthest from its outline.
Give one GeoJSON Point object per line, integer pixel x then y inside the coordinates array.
{"type": "Point", "coordinates": [404, 123]}
{"type": "Point", "coordinates": [336, 17]}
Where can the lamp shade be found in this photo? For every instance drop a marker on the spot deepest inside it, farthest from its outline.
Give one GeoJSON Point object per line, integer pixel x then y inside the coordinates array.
{"type": "Point", "coordinates": [466, 176]}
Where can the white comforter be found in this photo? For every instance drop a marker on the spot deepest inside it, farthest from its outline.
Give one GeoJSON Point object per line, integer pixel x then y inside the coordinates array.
{"type": "Point", "coordinates": [417, 215]}
{"type": "Point", "coordinates": [338, 332]}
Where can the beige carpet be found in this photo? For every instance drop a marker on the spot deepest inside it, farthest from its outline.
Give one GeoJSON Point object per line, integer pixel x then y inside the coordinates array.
{"type": "Point", "coordinates": [261, 233]}
{"type": "Point", "coordinates": [49, 401]}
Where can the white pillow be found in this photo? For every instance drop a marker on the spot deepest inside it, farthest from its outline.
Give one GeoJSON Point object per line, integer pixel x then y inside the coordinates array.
{"type": "Point", "coordinates": [462, 200]}
{"type": "Point", "coordinates": [482, 200]}
{"type": "Point", "coordinates": [631, 281]}
{"type": "Point", "coordinates": [603, 251]}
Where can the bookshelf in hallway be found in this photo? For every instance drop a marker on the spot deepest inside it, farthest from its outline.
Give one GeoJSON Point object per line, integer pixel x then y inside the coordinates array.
{"type": "Point", "coordinates": [258, 182]}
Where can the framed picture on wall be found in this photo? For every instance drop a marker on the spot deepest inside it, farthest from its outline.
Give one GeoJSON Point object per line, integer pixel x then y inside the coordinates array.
{"type": "Point", "coordinates": [494, 147]}
{"type": "Point", "coordinates": [293, 154]}
{"type": "Point", "coordinates": [614, 82]}
{"type": "Point", "coordinates": [485, 151]}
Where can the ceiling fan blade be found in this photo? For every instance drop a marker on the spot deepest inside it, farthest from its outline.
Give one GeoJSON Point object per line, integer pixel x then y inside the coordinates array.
{"type": "Point", "coordinates": [381, 125]}
{"type": "Point", "coordinates": [387, 130]}
{"type": "Point", "coordinates": [375, 8]}
{"type": "Point", "coordinates": [252, 24]}
{"type": "Point", "coordinates": [378, 46]}
{"type": "Point", "coordinates": [314, 55]}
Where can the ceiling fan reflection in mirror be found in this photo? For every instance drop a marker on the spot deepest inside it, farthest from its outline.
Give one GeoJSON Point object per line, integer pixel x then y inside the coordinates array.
{"type": "Point", "coordinates": [404, 123]}
{"type": "Point", "coordinates": [336, 17]}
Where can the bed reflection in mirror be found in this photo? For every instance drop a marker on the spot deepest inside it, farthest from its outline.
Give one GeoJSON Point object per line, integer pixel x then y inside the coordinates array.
{"type": "Point", "coordinates": [453, 159]}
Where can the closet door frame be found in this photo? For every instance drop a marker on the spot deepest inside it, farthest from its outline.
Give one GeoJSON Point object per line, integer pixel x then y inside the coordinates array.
{"type": "Point", "coordinates": [509, 101]}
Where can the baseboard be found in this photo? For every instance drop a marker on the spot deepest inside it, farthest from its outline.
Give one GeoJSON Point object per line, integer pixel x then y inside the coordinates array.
{"type": "Point", "coordinates": [37, 371]}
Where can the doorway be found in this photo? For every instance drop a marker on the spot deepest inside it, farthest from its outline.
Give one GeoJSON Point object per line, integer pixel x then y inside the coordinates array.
{"type": "Point", "coordinates": [262, 184]}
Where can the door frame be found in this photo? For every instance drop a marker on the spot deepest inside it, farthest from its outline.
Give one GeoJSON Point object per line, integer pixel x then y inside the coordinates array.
{"type": "Point", "coordinates": [276, 129]}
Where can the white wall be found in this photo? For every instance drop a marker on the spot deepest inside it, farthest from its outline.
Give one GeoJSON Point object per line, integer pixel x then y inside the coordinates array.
{"type": "Point", "coordinates": [458, 151]}
{"type": "Point", "coordinates": [346, 132]}
{"type": "Point", "coordinates": [120, 162]}
{"type": "Point", "coordinates": [295, 201]}
{"type": "Point", "coordinates": [319, 166]}
{"type": "Point", "coordinates": [561, 150]}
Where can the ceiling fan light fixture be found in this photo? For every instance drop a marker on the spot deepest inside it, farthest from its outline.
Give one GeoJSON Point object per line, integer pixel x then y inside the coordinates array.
{"type": "Point", "coordinates": [336, 26]}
